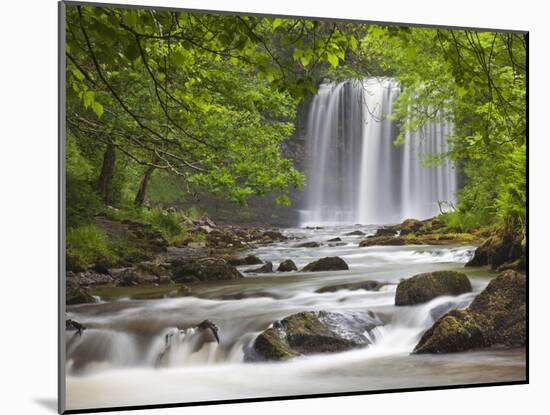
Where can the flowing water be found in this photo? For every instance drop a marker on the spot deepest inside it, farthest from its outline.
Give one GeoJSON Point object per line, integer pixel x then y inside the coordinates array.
{"type": "Point", "coordinates": [355, 172]}
{"type": "Point", "coordinates": [122, 358]}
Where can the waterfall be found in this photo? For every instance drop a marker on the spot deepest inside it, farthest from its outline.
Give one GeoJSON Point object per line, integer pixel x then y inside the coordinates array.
{"type": "Point", "coordinates": [355, 173]}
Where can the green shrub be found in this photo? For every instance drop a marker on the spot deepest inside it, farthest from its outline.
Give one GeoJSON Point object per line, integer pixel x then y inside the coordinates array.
{"type": "Point", "coordinates": [463, 221]}
{"type": "Point", "coordinates": [87, 245]}
{"type": "Point", "coordinates": [170, 224]}
{"type": "Point", "coordinates": [193, 213]}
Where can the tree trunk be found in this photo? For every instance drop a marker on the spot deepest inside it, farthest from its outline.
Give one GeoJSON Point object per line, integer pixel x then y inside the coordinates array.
{"type": "Point", "coordinates": [140, 196]}
{"type": "Point", "coordinates": [105, 180]}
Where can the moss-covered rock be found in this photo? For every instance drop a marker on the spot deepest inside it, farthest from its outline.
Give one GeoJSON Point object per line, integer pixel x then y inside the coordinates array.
{"type": "Point", "coordinates": [248, 260]}
{"type": "Point", "coordinates": [497, 316]}
{"type": "Point", "coordinates": [363, 285]}
{"type": "Point", "coordinates": [266, 268]}
{"type": "Point", "coordinates": [499, 249]}
{"type": "Point", "coordinates": [410, 226]}
{"type": "Point", "coordinates": [424, 239]}
{"type": "Point", "coordinates": [424, 287]}
{"type": "Point", "coordinates": [355, 233]}
{"type": "Point", "coordinates": [204, 269]}
{"type": "Point", "coordinates": [311, 244]}
{"type": "Point", "coordinates": [386, 231]}
{"type": "Point", "coordinates": [79, 296]}
{"type": "Point", "coordinates": [454, 332]}
{"type": "Point", "coordinates": [312, 333]}
{"type": "Point", "coordinates": [415, 232]}
{"type": "Point", "coordinates": [270, 346]}
{"type": "Point", "coordinates": [327, 264]}
{"type": "Point", "coordinates": [287, 265]}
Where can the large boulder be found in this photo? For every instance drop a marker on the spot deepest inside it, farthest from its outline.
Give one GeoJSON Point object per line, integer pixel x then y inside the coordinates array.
{"type": "Point", "coordinates": [204, 269]}
{"type": "Point", "coordinates": [327, 264]}
{"type": "Point", "coordinates": [311, 332]}
{"type": "Point", "coordinates": [287, 265]}
{"type": "Point", "coordinates": [422, 288]}
{"type": "Point", "coordinates": [386, 231]}
{"type": "Point", "coordinates": [501, 250]}
{"type": "Point", "coordinates": [410, 226]}
{"type": "Point", "coordinates": [497, 316]}
{"type": "Point", "coordinates": [352, 286]}
{"type": "Point", "coordinates": [144, 273]}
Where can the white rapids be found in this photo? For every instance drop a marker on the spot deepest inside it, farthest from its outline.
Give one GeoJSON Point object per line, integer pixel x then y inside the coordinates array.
{"type": "Point", "coordinates": [115, 362]}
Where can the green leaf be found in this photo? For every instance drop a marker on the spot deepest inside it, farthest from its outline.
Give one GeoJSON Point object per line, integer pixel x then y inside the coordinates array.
{"type": "Point", "coordinates": [306, 59]}
{"type": "Point", "coordinates": [97, 108]}
{"type": "Point", "coordinates": [78, 74]}
{"type": "Point", "coordinates": [179, 57]}
{"type": "Point", "coordinates": [88, 97]}
{"type": "Point", "coordinates": [132, 51]}
{"type": "Point", "coordinates": [297, 54]}
{"type": "Point", "coordinates": [332, 59]}
{"type": "Point", "coordinates": [352, 43]}
{"type": "Point", "coordinates": [130, 17]}
{"type": "Point", "coordinates": [276, 23]}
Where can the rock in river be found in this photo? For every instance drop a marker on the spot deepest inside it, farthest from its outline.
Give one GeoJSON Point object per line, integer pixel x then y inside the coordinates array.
{"type": "Point", "coordinates": [287, 265]}
{"type": "Point", "coordinates": [311, 332]}
{"type": "Point", "coordinates": [333, 263]}
{"type": "Point", "coordinates": [267, 267]}
{"type": "Point", "coordinates": [363, 285]}
{"type": "Point", "coordinates": [355, 233]}
{"type": "Point", "coordinates": [497, 316]}
{"type": "Point", "coordinates": [79, 296]}
{"type": "Point", "coordinates": [195, 337]}
{"type": "Point", "coordinates": [248, 260]}
{"type": "Point", "coordinates": [423, 287]}
{"type": "Point", "coordinates": [205, 269]}
{"type": "Point", "coordinates": [71, 325]}
{"type": "Point", "coordinates": [500, 250]}
{"type": "Point", "coordinates": [311, 244]}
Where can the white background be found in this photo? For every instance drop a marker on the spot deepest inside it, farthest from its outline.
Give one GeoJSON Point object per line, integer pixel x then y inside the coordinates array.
{"type": "Point", "coordinates": [28, 204]}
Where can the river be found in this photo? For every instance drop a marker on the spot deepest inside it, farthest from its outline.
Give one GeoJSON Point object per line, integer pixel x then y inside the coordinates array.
{"type": "Point", "coordinates": [115, 361]}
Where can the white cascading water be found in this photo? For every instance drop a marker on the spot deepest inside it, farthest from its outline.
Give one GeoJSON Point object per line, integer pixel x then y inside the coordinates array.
{"type": "Point", "coordinates": [355, 172]}
{"type": "Point", "coordinates": [149, 351]}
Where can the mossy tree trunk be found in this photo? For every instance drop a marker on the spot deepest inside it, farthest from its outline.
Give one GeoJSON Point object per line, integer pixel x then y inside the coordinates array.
{"type": "Point", "coordinates": [140, 196]}
{"type": "Point", "coordinates": [105, 180]}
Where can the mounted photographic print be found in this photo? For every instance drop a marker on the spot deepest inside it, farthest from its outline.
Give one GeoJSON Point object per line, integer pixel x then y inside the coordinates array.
{"type": "Point", "coordinates": [262, 207]}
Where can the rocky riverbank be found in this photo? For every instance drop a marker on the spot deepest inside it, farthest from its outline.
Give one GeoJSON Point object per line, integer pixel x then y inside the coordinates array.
{"type": "Point", "coordinates": [210, 254]}
{"type": "Point", "coordinates": [416, 232]}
